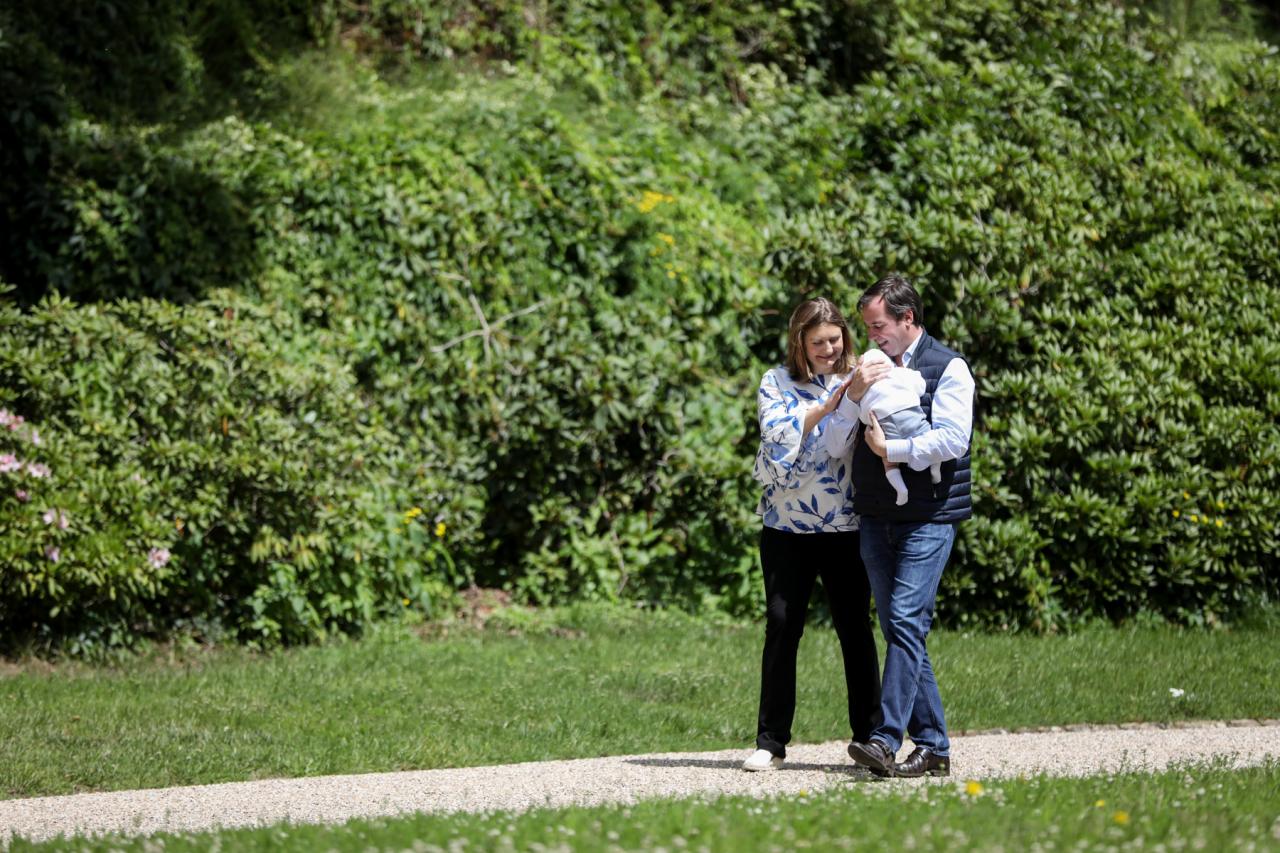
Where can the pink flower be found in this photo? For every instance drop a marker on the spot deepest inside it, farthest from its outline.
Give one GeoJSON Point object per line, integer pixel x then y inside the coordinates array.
{"type": "Point", "coordinates": [21, 494]}
{"type": "Point", "coordinates": [14, 422]}
{"type": "Point", "coordinates": [56, 516]}
{"type": "Point", "coordinates": [53, 553]}
{"type": "Point", "coordinates": [9, 462]}
{"type": "Point", "coordinates": [37, 470]}
{"type": "Point", "coordinates": [157, 557]}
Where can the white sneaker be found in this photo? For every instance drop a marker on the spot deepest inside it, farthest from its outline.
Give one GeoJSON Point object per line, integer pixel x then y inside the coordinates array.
{"type": "Point", "coordinates": [762, 759]}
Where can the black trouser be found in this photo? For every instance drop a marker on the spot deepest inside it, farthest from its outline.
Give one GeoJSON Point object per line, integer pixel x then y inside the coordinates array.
{"type": "Point", "coordinates": [791, 562]}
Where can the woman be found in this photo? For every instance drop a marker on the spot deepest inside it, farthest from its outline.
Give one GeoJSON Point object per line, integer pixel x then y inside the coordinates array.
{"type": "Point", "coordinates": [810, 530]}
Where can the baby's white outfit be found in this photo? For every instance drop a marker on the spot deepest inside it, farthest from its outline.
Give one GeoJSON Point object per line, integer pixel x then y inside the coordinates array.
{"type": "Point", "coordinates": [895, 400]}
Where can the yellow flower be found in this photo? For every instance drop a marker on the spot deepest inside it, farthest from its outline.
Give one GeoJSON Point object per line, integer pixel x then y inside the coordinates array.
{"type": "Point", "coordinates": [1195, 518]}
{"type": "Point", "coordinates": [1121, 817]}
{"type": "Point", "coordinates": [406, 601]}
{"type": "Point", "coordinates": [1187, 495]}
{"type": "Point", "coordinates": [411, 514]}
{"type": "Point", "coordinates": [667, 238]}
{"type": "Point", "coordinates": [440, 529]}
{"type": "Point", "coordinates": [1099, 804]}
{"type": "Point", "coordinates": [973, 788]}
{"type": "Point", "coordinates": [1176, 514]}
{"type": "Point", "coordinates": [1218, 522]}
{"type": "Point", "coordinates": [651, 199]}
{"type": "Point", "coordinates": [1222, 505]}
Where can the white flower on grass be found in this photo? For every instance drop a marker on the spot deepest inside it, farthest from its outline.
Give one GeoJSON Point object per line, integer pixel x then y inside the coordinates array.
{"type": "Point", "coordinates": [157, 557]}
{"type": "Point", "coordinates": [1177, 692]}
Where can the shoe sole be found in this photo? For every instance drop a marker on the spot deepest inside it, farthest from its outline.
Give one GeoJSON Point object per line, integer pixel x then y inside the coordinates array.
{"type": "Point", "coordinates": [870, 763]}
{"type": "Point", "coordinates": [767, 769]}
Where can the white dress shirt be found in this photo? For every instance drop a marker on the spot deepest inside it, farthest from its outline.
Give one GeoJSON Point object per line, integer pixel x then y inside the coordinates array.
{"type": "Point", "coordinates": [951, 414]}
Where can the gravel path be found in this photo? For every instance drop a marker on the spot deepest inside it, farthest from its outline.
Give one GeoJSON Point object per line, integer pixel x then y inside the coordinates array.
{"type": "Point", "coordinates": [618, 779]}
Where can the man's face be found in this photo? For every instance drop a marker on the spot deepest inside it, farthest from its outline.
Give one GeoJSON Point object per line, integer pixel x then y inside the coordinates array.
{"type": "Point", "coordinates": [892, 336]}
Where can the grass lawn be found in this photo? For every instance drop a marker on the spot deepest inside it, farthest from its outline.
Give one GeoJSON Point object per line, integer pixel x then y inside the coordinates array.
{"type": "Point", "coordinates": [578, 682]}
{"type": "Point", "coordinates": [1202, 808]}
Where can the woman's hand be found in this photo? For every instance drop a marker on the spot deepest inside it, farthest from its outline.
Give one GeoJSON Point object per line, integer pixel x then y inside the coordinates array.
{"type": "Point", "coordinates": [864, 376]}
{"type": "Point", "coordinates": [834, 400]}
{"type": "Point", "coordinates": [874, 436]}
{"type": "Point", "coordinates": [817, 413]}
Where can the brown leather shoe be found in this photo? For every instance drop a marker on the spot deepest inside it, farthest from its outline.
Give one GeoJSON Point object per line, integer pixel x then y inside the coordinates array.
{"type": "Point", "coordinates": [874, 755]}
{"type": "Point", "coordinates": [923, 762]}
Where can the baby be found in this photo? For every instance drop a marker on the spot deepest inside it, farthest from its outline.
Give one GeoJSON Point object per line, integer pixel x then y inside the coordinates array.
{"type": "Point", "coordinates": [896, 403]}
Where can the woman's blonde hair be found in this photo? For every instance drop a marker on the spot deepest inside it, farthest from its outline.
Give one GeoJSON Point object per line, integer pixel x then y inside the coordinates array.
{"type": "Point", "coordinates": [809, 314]}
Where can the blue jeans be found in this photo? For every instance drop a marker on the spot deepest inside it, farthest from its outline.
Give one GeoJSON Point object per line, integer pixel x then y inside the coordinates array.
{"type": "Point", "coordinates": [904, 563]}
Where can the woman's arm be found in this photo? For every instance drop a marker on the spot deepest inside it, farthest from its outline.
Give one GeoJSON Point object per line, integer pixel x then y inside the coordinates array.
{"type": "Point", "coordinates": [780, 436]}
{"type": "Point", "coordinates": [785, 421]}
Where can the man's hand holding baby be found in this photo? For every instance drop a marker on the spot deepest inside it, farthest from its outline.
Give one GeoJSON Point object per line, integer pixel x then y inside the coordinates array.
{"type": "Point", "coordinates": [866, 374]}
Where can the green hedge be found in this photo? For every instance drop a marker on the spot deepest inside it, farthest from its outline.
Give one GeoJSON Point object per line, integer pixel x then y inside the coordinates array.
{"type": "Point", "coordinates": [1110, 264]}
{"type": "Point", "coordinates": [534, 300]}
{"type": "Point", "coordinates": [204, 467]}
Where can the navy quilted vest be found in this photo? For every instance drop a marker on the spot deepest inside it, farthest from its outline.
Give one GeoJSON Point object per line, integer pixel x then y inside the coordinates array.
{"type": "Point", "coordinates": [945, 502]}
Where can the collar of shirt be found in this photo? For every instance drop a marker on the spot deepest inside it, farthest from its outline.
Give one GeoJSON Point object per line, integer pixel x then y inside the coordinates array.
{"type": "Point", "coordinates": [910, 354]}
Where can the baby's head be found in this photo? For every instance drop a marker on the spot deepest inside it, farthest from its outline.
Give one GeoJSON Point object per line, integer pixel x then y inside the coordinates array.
{"type": "Point", "coordinates": [874, 356]}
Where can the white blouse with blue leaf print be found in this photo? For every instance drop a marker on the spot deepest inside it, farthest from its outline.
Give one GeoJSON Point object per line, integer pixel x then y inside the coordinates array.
{"type": "Point", "coordinates": [805, 489]}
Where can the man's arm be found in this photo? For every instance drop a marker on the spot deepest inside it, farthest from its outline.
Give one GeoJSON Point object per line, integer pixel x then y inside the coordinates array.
{"type": "Point", "coordinates": [843, 428]}
{"type": "Point", "coordinates": [952, 415]}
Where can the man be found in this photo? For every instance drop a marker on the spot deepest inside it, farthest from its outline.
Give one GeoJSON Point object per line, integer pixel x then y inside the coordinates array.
{"type": "Point", "coordinates": [905, 547]}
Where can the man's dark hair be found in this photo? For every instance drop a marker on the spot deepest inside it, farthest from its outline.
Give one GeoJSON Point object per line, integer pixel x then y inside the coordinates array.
{"type": "Point", "coordinates": [899, 298]}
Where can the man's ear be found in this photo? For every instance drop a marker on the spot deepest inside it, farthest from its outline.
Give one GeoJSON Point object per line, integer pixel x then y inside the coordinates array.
{"type": "Point", "coordinates": [910, 317]}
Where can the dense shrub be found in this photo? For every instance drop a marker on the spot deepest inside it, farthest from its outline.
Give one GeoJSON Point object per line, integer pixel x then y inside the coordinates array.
{"type": "Point", "coordinates": [593, 427]}
{"type": "Point", "coordinates": [89, 94]}
{"type": "Point", "coordinates": [199, 466]}
{"type": "Point", "coordinates": [1111, 268]}
{"type": "Point", "coordinates": [533, 299]}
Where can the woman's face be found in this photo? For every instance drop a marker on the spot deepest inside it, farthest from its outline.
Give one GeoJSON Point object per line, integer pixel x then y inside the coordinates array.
{"type": "Point", "coordinates": [823, 346]}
